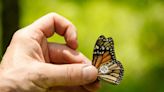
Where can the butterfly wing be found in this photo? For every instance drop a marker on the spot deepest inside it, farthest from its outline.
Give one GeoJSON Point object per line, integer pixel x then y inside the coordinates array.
{"type": "Point", "coordinates": [111, 72]}
{"type": "Point", "coordinates": [103, 51]}
{"type": "Point", "coordinates": [109, 69]}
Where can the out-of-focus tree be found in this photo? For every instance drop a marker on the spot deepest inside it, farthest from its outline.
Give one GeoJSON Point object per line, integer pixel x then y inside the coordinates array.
{"type": "Point", "coordinates": [0, 31]}
{"type": "Point", "coordinates": [10, 21]}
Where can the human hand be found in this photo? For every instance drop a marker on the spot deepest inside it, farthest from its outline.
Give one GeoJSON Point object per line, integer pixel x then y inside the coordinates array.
{"type": "Point", "coordinates": [31, 64]}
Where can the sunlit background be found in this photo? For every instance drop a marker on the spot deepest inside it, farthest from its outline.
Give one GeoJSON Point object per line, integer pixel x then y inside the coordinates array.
{"type": "Point", "coordinates": [137, 27]}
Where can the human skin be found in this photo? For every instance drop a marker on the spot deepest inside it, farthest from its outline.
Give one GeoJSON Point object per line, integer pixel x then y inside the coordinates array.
{"type": "Point", "coordinates": [32, 64]}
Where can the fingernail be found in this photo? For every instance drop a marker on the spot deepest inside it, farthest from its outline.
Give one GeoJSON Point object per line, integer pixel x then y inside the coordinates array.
{"type": "Point", "coordinates": [85, 61]}
{"type": "Point", "coordinates": [89, 73]}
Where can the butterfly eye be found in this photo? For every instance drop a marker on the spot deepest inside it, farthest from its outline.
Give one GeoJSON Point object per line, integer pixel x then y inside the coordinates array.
{"type": "Point", "coordinates": [109, 69]}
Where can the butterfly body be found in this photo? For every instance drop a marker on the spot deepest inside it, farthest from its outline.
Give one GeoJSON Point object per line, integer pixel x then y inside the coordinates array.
{"type": "Point", "coordinates": [104, 59]}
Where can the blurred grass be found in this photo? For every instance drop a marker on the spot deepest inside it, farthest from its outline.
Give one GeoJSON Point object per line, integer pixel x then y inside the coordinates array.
{"type": "Point", "coordinates": [136, 26]}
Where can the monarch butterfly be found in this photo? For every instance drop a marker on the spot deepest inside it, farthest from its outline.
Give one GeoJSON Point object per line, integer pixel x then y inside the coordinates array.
{"type": "Point", "coordinates": [104, 59]}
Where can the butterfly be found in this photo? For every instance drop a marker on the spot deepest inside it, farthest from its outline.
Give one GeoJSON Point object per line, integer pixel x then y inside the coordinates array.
{"type": "Point", "coordinates": [104, 59]}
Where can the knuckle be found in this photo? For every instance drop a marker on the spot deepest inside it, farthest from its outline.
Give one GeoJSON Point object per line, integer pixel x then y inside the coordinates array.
{"type": "Point", "coordinates": [74, 74]}
{"type": "Point", "coordinates": [69, 73]}
{"type": "Point", "coordinates": [52, 14]}
{"type": "Point", "coordinates": [17, 34]}
{"type": "Point", "coordinates": [20, 34]}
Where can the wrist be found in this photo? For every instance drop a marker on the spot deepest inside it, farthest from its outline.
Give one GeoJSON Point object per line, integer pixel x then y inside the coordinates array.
{"type": "Point", "coordinates": [6, 85]}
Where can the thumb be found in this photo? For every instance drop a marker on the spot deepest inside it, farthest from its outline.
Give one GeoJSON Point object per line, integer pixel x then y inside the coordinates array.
{"type": "Point", "coordinates": [49, 75]}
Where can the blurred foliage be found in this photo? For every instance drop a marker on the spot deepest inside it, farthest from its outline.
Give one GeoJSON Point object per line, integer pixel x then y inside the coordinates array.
{"type": "Point", "coordinates": [9, 20]}
{"type": "Point", "coordinates": [137, 27]}
{"type": "Point", "coordinates": [0, 31]}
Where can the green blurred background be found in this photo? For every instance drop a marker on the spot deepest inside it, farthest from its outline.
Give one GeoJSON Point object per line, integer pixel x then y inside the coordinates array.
{"type": "Point", "coordinates": [137, 27]}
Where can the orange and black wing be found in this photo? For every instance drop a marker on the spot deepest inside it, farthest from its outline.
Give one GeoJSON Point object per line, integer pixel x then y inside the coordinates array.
{"type": "Point", "coordinates": [104, 60]}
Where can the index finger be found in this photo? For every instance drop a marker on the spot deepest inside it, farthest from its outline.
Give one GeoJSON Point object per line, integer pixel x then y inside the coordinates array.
{"type": "Point", "coordinates": [53, 22]}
